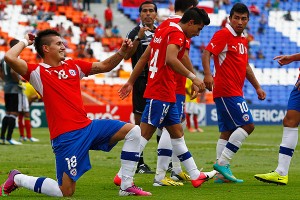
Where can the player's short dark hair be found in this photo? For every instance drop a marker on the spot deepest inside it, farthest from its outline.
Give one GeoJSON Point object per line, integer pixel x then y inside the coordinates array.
{"type": "Point", "coordinates": [197, 14]}
{"type": "Point", "coordinates": [183, 5]}
{"type": "Point", "coordinates": [239, 8]}
{"type": "Point", "coordinates": [42, 38]}
{"type": "Point", "coordinates": [13, 42]}
{"type": "Point", "coordinates": [147, 2]}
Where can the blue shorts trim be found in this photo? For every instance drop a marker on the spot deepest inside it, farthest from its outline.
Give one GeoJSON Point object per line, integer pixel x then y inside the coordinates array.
{"type": "Point", "coordinates": [294, 99]}
{"type": "Point", "coordinates": [71, 149]}
{"type": "Point", "coordinates": [180, 102]}
{"type": "Point", "coordinates": [160, 113]}
{"type": "Point", "coordinates": [232, 112]}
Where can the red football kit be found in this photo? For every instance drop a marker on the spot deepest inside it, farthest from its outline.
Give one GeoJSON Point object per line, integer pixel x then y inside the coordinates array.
{"type": "Point", "coordinates": [58, 87]}
{"type": "Point", "coordinates": [180, 80]}
{"type": "Point", "coordinates": [161, 78]}
{"type": "Point", "coordinates": [231, 60]}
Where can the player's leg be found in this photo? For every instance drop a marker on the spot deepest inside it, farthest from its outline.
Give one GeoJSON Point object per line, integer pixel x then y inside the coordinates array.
{"type": "Point", "coordinates": [37, 184]}
{"type": "Point", "coordinates": [21, 126]}
{"type": "Point", "coordinates": [232, 112]}
{"type": "Point", "coordinates": [164, 153]}
{"type": "Point", "coordinates": [288, 143]}
{"type": "Point", "coordinates": [139, 104]}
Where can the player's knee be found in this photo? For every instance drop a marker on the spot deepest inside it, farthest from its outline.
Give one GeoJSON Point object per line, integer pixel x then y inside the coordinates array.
{"type": "Point", "coordinates": [249, 128]}
{"type": "Point", "coordinates": [134, 133]}
{"type": "Point", "coordinates": [68, 192]}
{"type": "Point", "coordinates": [290, 122]}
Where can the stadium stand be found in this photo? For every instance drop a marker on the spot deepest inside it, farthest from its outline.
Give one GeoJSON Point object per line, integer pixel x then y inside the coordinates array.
{"type": "Point", "coordinates": [279, 37]}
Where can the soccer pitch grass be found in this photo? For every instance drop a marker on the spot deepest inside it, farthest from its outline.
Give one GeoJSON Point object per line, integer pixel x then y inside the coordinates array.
{"type": "Point", "coordinates": [258, 155]}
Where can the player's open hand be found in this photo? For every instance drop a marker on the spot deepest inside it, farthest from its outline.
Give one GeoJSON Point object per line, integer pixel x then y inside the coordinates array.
{"type": "Point", "coordinates": [125, 90]}
{"type": "Point", "coordinates": [126, 45]}
{"type": "Point", "coordinates": [283, 59]}
{"type": "Point", "coordinates": [209, 82]}
{"type": "Point", "coordinates": [261, 94]}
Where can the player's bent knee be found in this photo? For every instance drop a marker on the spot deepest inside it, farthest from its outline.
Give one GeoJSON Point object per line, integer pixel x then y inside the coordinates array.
{"type": "Point", "coordinates": [68, 192]}
{"type": "Point", "coordinates": [134, 133]}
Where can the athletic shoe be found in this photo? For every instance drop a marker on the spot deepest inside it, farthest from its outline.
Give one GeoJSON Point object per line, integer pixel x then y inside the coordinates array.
{"type": "Point", "coordinates": [219, 178]}
{"type": "Point", "coordinates": [200, 130]}
{"type": "Point", "coordinates": [192, 130]}
{"type": "Point", "coordinates": [117, 180]}
{"type": "Point", "coordinates": [272, 177]}
{"type": "Point", "coordinates": [22, 139]}
{"type": "Point", "coordinates": [134, 190]}
{"type": "Point", "coordinates": [166, 182]}
{"type": "Point", "coordinates": [226, 172]}
{"type": "Point", "coordinates": [201, 179]}
{"type": "Point", "coordinates": [2, 141]}
{"type": "Point", "coordinates": [143, 169]}
{"type": "Point", "coordinates": [32, 139]}
{"type": "Point", "coordinates": [14, 142]}
{"type": "Point", "coordinates": [170, 167]}
{"type": "Point", "coordinates": [9, 185]}
{"type": "Point", "coordinates": [182, 176]}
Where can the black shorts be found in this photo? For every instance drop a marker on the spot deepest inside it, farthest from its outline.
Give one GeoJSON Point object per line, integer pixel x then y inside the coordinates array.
{"type": "Point", "coordinates": [138, 100]}
{"type": "Point", "coordinates": [11, 102]}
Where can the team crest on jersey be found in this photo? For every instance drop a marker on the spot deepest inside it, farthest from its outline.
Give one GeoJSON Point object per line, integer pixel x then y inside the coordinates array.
{"type": "Point", "coordinates": [72, 72]}
{"type": "Point", "coordinates": [73, 172]}
{"type": "Point", "coordinates": [246, 117]}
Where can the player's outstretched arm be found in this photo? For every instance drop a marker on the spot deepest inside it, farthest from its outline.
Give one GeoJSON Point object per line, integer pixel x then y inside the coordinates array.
{"type": "Point", "coordinates": [12, 55]}
{"type": "Point", "coordinates": [287, 59]}
{"type": "Point", "coordinates": [252, 79]}
{"type": "Point", "coordinates": [208, 79]}
{"type": "Point", "coordinates": [137, 70]}
{"type": "Point", "coordinates": [111, 62]}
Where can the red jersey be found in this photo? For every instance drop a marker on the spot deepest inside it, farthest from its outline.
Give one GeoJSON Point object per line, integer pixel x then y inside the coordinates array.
{"type": "Point", "coordinates": [161, 78]}
{"type": "Point", "coordinates": [180, 80]}
{"type": "Point", "coordinates": [108, 15]}
{"type": "Point", "coordinates": [60, 89]}
{"type": "Point", "coordinates": [230, 54]}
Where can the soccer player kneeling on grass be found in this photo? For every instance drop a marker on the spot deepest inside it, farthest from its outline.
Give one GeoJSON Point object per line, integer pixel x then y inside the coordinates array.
{"type": "Point", "coordinates": [72, 133]}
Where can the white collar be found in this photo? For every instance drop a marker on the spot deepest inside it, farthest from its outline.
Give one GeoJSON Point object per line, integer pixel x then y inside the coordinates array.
{"type": "Point", "coordinates": [232, 31]}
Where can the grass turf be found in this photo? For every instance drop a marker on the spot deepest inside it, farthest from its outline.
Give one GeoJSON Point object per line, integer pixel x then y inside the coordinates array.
{"type": "Point", "coordinates": [258, 154]}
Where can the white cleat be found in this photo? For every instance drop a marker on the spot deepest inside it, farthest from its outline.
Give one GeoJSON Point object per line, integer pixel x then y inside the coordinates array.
{"type": "Point", "coordinates": [32, 139]}
{"type": "Point", "coordinates": [210, 174]}
{"type": "Point", "coordinates": [14, 142]}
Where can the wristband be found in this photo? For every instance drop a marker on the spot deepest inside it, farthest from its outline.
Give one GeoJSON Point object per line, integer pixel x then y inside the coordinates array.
{"type": "Point", "coordinates": [121, 53]}
{"type": "Point", "coordinates": [24, 41]}
{"type": "Point", "coordinates": [191, 76]}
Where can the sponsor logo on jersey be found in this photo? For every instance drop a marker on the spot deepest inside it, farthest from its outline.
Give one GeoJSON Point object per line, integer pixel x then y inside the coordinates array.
{"type": "Point", "coordinates": [72, 72]}
{"type": "Point", "coordinates": [246, 117]}
{"type": "Point", "coordinates": [157, 40]}
{"type": "Point", "coordinates": [212, 45]}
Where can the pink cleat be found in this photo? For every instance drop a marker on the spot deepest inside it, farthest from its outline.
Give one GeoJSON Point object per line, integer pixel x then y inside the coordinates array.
{"type": "Point", "coordinates": [201, 179]}
{"type": "Point", "coordinates": [117, 180]}
{"type": "Point", "coordinates": [9, 185]}
{"type": "Point", "coordinates": [134, 190]}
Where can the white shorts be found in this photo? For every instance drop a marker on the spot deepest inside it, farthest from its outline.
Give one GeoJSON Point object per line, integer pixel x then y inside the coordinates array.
{"type": "Point", "coordinates": [23, 103]}
{"type": "Point", "coordinates": [191, 108]}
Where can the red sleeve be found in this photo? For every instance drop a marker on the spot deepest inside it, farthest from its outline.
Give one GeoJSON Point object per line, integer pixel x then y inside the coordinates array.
{"type": "Point", "coordinates": [84, 66]}
{"type": "Point", "coordinates": [177, 38]}
{"type": "Point", "coordinates": [31, 67]}
{"type": "Point", "coordinates": [217, 43]}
